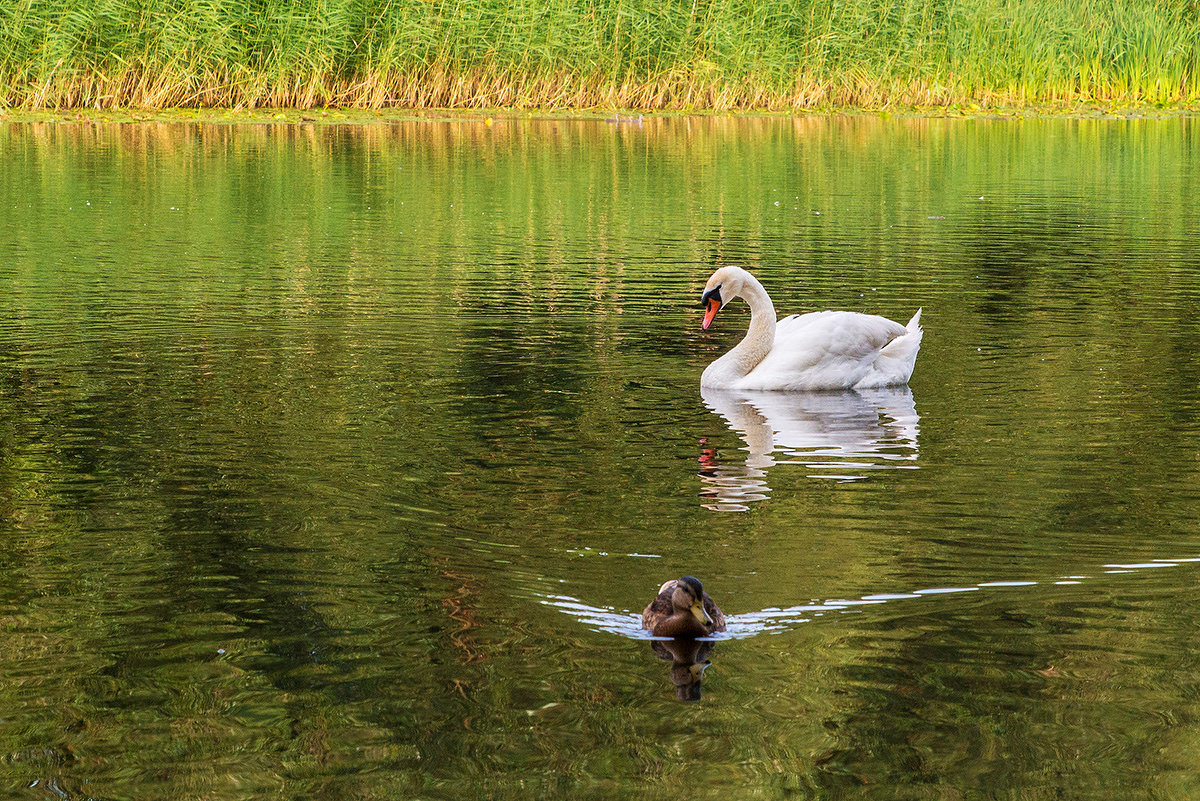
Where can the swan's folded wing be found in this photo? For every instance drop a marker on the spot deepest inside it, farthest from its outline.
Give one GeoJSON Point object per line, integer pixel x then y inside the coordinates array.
{"type": "Point", "coordinates": [837, 332]}
{"type": "Point", "coordinates": [824, 350]}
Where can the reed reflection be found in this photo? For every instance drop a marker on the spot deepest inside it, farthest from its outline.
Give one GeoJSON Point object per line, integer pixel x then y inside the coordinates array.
{"type": "Point", "coordinates": [842, 436]}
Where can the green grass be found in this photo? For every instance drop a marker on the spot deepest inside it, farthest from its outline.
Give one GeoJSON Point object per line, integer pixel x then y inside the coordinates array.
{"type": "Point", "coordinates": [652, 54]}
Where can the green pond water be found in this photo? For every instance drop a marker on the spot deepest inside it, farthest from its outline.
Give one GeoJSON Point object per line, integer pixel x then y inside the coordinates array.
{"type": "Point", "coordinates": [338, 462]}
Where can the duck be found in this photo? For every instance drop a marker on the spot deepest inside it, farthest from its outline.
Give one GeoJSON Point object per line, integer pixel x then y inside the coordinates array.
{"type": "Point", "coordinates": [682, 609]}
{"type": "Point", "coordinates": [815, 351]}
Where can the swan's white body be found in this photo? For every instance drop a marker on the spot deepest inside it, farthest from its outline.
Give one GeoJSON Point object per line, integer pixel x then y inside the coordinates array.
{"type": "Point", "coordinates": [820, 350]}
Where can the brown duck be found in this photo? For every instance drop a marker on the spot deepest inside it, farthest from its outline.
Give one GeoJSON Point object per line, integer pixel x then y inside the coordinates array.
{"type": "Point", "coordinates": [684, 610]}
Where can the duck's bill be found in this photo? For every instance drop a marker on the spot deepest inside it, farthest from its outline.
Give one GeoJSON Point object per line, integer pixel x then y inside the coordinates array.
{"type": "Point", "coordinates": [714, 306]}
{"type": "Point", "coordinates": [700, 614]}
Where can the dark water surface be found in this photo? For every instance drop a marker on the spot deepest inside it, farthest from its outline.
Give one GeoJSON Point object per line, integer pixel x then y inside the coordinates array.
{"type": "Point", "coordinates": [336, 462]}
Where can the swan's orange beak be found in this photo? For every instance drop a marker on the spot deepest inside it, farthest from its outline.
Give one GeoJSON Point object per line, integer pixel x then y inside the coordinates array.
{"type": "Point", "coordinates": [714, 306]}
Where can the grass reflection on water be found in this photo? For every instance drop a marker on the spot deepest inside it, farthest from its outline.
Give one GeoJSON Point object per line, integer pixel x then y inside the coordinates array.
{"type": "Point", "coordinates": [310, 436]}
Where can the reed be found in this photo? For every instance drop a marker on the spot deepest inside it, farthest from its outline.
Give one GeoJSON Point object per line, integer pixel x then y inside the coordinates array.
{"type": "Point", "coordinates": [660, 54]}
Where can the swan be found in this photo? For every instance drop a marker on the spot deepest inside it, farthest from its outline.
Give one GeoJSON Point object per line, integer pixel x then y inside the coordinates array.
{"type": "Point", "coordinates": [819, 350]}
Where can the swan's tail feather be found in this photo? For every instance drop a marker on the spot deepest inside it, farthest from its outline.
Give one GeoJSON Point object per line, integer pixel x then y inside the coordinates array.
{"type": "Point", "coordinates": [896, 359]}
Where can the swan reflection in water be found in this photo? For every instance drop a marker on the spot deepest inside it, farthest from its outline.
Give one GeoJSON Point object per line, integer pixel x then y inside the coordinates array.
{"type": "Point", "coordinates": [842, 435]}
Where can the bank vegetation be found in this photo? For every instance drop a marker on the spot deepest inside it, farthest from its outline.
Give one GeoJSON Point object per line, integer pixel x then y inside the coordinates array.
{"type": "Point", "coordinates": [632, 54]}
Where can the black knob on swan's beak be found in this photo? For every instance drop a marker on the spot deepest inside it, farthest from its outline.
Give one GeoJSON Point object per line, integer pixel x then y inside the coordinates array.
{"type": "Point", "coordinates": [711, 301]}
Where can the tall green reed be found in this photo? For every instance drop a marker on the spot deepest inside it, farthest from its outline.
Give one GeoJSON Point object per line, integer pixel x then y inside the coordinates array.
{"type": "Point", "coordinates": [633, 53]}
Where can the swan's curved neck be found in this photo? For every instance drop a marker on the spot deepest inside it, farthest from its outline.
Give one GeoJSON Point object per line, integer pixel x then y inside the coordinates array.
{"type": "Point", "coordinates": [754, 347]}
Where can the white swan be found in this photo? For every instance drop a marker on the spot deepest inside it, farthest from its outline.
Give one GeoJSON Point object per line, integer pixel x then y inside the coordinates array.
{"type": "Point", "coordinates": [820, 350]}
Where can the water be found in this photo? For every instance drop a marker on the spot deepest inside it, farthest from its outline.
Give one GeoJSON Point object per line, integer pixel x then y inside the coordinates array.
{"type": "Point", "coordinates": [340, 461]}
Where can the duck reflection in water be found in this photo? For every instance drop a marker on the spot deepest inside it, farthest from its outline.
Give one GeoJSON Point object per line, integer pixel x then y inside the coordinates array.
{"type": "Point", "coordinates": [843, 434]}
{"type": "Point", "coordinates": [691, 644]}
{"type": "Point", "coordinates": [683, 611]}
{"type": "Point", "coordinates": [688, 660]}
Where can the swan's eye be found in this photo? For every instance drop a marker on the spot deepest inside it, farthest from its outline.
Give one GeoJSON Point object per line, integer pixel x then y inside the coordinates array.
{"type": "Point", "coordinates": [712, 294]}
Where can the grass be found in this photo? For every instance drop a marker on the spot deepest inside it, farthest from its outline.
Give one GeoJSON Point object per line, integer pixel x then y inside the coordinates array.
{"type": "Point", "coordinates": [663, 54]}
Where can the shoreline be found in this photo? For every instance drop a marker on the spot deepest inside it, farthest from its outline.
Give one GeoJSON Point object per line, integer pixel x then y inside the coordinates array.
{"type": "Point", "coordinates": [357, 116]}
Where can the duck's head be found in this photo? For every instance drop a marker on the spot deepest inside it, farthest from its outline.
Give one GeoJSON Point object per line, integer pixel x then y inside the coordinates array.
{"type": "Point", "coordinates": [688, 597]}
{"type": "Point", "coordinates": [723, 286]}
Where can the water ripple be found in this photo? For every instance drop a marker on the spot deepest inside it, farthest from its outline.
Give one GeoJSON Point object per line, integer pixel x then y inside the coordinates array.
{"type": "Point", "coordinates": [775, 620]}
